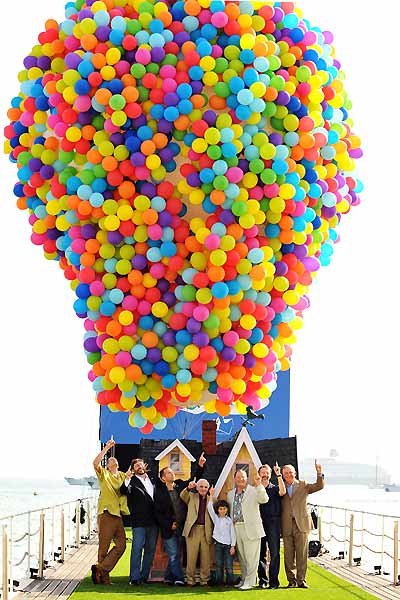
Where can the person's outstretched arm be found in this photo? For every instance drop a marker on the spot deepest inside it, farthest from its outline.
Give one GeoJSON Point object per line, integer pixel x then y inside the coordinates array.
{"type": "Point", "coordinates": [101, 455]}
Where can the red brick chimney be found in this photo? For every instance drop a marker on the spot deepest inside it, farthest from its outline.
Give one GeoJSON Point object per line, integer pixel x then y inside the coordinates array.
{"type": "Point", "coordinates": [209, 437]}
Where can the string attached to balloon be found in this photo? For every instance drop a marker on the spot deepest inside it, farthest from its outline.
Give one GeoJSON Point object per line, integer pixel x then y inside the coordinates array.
{"type": "Point", "coordinates": [187, 164]}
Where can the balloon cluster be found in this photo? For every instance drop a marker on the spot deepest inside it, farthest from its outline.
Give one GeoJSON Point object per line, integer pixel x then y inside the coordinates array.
{"type": "Point", "coordinates": [187, 163]}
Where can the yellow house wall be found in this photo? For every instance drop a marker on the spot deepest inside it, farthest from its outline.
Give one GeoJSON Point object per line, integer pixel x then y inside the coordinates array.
{"type": "Point", "coordinates": [242, 457]}
{"type": "Point", "coordinates": [185, 464]}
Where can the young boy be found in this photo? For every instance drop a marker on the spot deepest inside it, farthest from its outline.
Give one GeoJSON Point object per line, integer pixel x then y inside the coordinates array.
{"type": "Point", "coordinates": [224, 536]}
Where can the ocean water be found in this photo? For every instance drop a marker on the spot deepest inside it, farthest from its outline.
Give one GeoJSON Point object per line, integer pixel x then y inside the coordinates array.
{"type": "Point", "coordinates": [22, 495]}
{"type": "Point", "coordinates": [358, 498]}
{"type": "Point", "coordinates": [18, 497]}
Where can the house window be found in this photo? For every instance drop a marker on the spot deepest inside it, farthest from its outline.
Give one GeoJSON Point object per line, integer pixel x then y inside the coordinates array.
{"type": "Point", "coordinates": [243, 467]}
{"type": "Point", "coordinates": [175, 461]}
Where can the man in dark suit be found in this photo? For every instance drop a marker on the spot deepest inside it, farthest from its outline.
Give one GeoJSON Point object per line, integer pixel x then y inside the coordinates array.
{"type": "Point", "coordinates": [139, 489]}
{"type": "Point", "coordinates": [296, 523]}
{"type": "Point", "coordinates": [271, 519]}
{"type": "Point", "coordinates": [170, 512]}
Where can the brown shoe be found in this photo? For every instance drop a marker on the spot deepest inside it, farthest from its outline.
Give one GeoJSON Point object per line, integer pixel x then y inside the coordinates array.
{"type": "Point", "coordinates": [96, 574]}
{"type": "Point", "coordinates": [106, 578]}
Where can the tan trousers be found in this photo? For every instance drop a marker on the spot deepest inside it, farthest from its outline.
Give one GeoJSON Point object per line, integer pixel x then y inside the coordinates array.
{"type": "Point", "coordinates": [111, 529]}
{"type": "Point", "coordinates": [195, 542]}
{"type": "Point", "coordinates": [295, 553]}
{"type": "Point", "coordinates": [248, 553]}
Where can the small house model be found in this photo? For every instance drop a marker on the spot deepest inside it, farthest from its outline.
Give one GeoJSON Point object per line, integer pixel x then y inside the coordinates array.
{"type": "Point", "coordinates": [223, 460]}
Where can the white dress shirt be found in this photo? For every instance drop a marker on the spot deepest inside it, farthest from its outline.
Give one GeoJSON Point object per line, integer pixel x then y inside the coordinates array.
{"type": "Point", "coordinates": [224, 529]}
{"type": "Point", "coordinates": [145, 479]}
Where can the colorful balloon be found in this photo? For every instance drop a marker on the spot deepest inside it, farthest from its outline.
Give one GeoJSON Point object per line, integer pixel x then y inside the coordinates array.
{"type": "Point", "coordinates": [187, 163]}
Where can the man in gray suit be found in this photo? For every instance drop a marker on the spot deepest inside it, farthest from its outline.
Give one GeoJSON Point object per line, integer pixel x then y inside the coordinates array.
{"type": "Point", "coordinates": [244, 505]}
{"type": "Point", "coordinates": [296, 523]}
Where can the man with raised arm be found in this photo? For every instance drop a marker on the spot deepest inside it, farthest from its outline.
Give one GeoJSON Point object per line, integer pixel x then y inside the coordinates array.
{"type": "Point", "coordinates": [170, 513]}
{"type": "Point", "coordinates": [296, 523]}
{"type": "Point", "coordinates": [197, 530]}
{"type": "Point", "coordinates": [139, 490]}
{"type": "Point", "coordinates": [111, 507]}
{"type": "Point", "coordinates": [244, 501]}
{"type": "Point", "coordinates": [271, 520]}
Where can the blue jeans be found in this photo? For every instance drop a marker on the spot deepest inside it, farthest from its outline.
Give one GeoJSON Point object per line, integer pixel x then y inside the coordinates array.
{"type": "Point", "coordinates": [144, 540]}
{"type": "Point", "coordinates": [272, 538]}
{"type": "Point", "coordinates": [223, 558]}
{"type": "Point", "coordinates": [172, 547]}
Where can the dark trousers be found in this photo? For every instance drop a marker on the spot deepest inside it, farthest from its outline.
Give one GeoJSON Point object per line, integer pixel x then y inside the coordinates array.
{"type": "Point", "coordinates": [223, 559]}
{"type": "Point", "coordinates": [173, 547]}
{"type": "Point", "coordinates": [144, 540]}
{"type": "Point", "coordinates": [272, 529]}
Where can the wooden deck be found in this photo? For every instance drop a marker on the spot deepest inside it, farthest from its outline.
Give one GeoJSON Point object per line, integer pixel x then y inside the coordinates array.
{"type": "Point", "coordinates": [374, 584]}
{"type": "Point", "coordinates": [61, 580]}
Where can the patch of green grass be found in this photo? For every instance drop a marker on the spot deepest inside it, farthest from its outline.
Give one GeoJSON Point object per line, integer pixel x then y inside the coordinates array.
{"type": "Point", "coordinates": [322, 586]}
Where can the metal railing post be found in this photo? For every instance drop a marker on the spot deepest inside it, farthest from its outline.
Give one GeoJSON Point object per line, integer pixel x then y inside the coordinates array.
{"type": "Point", "coordinates": [52, 533]}
{"type": "Point", "coordinates": [29, 542]}
{"type": "Point", "coordinates": [88, 516]}
{"type": "Point", "coordinates": [62, 536]}
{"type": "Point", "coordinates": [10, 554]}
{"type": "Point", "coordinates": [69, 524]}
{"type": "Point", "coordinates": [395, 552]}
{"type": "Point", "coordinates": [41, 547]}
{"type": "Point", "coordinates": [383, 542]}
{"type": "Point", "coordinates": [319, 523]}
{"type": "Point", "coordinates": [78, 523]}
{"type": "Point", "coordinates": [351, 541]}
{"type": "Point", "coordinates": [362, 536]}
{"type": "Point", "coordinates": [4, 592]}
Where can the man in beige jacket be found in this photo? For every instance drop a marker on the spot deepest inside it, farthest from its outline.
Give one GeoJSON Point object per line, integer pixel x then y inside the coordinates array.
{"type": "Point", "coordinates": [244, 506]}
{"type": "Point", "coordinates": [197, 530]}
{"type": "Point", "coordinates": [296, 523]}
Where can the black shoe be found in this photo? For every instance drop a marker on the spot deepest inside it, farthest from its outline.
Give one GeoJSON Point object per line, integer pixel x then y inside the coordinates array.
{"type": "Point", "coordinates": [168, 582]}
{"type": "Point", "coordinates": [135, 582]}
{"type": "Point", "coordinates": [94, 574]}
{"type": "Point", "coordinates": [302, 585]}
{"type": "Point", "coordinates": [263, 585]}
{"type": "Point", "coordinates": [291, 584]}
{"type": "Point", "coordinates": [274, 586]}
{"type": "Point", "coordinates": [179, 582]}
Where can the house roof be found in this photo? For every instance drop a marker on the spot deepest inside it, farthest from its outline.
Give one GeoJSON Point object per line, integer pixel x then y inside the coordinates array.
{"type": "Point", "coordinates": [242, 439]}
{"type": "Point", "coordinates": [283, 450]}
{"type": "Point", "coordinates": [172, 446]}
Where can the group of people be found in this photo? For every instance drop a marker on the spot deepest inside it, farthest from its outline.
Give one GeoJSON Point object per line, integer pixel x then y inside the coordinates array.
{"type": "Point", "coordinates": [249, 522]}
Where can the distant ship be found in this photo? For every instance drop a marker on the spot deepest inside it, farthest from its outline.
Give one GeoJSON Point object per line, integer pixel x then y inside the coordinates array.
{"type": "Point", "coordinates": [391, 487]}
{"type": "Point", "coordinates": [346, 473]}
{"type": "Point", "coordinates": [91, 481]}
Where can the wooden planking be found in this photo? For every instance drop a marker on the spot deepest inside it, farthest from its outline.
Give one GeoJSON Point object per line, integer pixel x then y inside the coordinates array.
{"type": "Point", "coordinates": [61, 580]}
{"type": "Point", "coordinates": [373, 584]}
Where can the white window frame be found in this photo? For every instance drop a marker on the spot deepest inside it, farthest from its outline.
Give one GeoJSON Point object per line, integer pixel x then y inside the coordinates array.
{"type": "Point", "coordinates": [175, 466]}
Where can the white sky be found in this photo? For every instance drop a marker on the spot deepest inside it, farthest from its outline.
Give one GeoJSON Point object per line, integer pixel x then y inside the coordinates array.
{"type": "Point", "coordinates": [345, 363]}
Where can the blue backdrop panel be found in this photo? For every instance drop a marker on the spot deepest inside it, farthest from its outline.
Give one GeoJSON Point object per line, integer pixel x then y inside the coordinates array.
{"type": "Point", "coordinates": [187, 424]}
